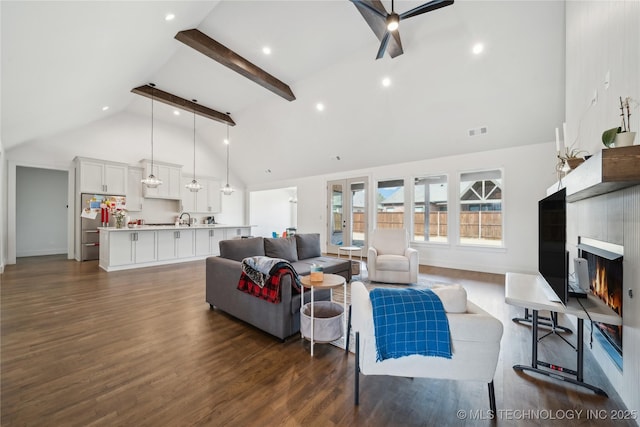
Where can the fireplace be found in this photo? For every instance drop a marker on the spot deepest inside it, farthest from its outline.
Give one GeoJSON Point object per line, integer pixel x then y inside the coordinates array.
{"type": "Point", "coordinates": [604, 263]}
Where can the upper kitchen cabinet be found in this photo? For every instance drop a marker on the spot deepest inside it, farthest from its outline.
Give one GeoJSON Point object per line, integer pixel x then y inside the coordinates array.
{"type": "Point", "coordinates": [101, 177]}
{"type": "Point", "coordinates": [134, 189]}
{"type": "Point", "coordinates": [171, 176]}
{"type": "Point", "coordinates": [207, 200]}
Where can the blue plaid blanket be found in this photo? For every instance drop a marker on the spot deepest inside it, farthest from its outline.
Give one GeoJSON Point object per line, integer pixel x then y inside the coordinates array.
{"type": "Point", "coordinates": [409, 321]}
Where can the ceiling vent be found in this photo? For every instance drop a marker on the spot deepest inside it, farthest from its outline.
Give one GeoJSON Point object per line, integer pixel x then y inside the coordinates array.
{"type": "Point", "coordinates": [478, 131]}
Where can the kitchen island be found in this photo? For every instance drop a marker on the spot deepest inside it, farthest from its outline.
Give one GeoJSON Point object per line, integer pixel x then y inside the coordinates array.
{"type": "Point", "coordinates": [146, 246]}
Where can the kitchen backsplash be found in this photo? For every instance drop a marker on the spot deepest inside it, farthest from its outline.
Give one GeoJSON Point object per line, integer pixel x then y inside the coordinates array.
{"type": "Point", "coordinates": [157, 211]}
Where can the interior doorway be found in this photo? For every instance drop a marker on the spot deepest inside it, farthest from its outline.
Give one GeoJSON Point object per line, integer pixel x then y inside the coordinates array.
{"type": "Point", "coordinates": [41, 211]}
{"type": "Point", "coordinates": [347, 223]}
{"type": "Point", "coordinates": [273, 211]}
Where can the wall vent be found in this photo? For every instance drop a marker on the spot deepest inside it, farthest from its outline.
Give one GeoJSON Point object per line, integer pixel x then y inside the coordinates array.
{"type": "Point", "coordinates": [482, 130]}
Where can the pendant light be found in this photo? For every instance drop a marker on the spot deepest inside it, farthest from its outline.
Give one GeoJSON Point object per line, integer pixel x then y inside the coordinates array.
{"type": "Point", "coordinates": [227, 189]}
{"type": "Point", "coordinates": [151, 181]}
{"type": "Point", "coordinates": [194, 186]}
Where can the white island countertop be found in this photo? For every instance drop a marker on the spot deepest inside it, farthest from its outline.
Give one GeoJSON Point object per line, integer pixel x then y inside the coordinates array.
{"type": "Point", "coordinates": [172, 227]}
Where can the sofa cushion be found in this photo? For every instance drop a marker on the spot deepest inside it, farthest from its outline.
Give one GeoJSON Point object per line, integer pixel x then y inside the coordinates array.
{"type": "Point", "coordinates": [392, 263]}
{"type": "Point", "coordinates": [308, 245]}
{"type": "Point", "coordinates": [329, 265]}
{"type": "Point", "coordinates": [284, 248]}
{"type": "Point", "coordinates": [239, 249]}
{"type": "Point", "coordinates": [453, 297]}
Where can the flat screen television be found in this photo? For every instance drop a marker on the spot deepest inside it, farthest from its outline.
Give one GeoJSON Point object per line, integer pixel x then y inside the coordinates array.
{"type": "Point", "coordinates": [553, 258]}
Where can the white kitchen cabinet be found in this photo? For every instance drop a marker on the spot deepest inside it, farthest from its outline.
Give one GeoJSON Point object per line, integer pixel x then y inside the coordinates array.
{"type": "Point", "coordinates": [131, 247]}
{"type": "Point", "coordinates": [174, 244]}
{"type": "Point", "coordinates": [166, 244]}
{"type": "Point", "coordinates": [134, 189]}
{"type": "Point", "coordinates": [193, 201]}
{"type": "Point", "coordinates": [208, 240]}
{"type": "Point", "coordinates": [207, 200]}
{"type": "Point", "coordinates": [171, 176]}
{"type": "Point", "coordinates": [214, 201]}
{"type": "Point", "coordinates": [101, 177]}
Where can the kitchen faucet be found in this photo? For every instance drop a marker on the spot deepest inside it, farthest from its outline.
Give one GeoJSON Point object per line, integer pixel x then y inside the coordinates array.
{"type": "Point", "coordinates": [187, 214]}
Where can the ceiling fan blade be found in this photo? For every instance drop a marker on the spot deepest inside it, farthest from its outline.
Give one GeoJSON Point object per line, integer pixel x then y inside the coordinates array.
{"type": "Point", "coordinates": [383, 45]}
{"type": "Point", "coordinates": [427, 7]}
{"type": "Point", "coordinates": [395, 45]}
{"type": "Point", "coordinates": [381, 13]}
{"type": "Point", "coordinates": [378, 25]}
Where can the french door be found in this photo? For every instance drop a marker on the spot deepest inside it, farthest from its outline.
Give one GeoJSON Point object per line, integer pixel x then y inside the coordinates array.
{"type": "Point", "coordinates": [347, 213]}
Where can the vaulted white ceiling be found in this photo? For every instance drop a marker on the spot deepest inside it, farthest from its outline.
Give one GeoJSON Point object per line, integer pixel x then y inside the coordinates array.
{"type": "Point", "coordinates": [63, 61]}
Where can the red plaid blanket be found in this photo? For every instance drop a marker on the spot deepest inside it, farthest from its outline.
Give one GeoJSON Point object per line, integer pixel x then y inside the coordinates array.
{"type": "Point", "coordinates": [271, 290]}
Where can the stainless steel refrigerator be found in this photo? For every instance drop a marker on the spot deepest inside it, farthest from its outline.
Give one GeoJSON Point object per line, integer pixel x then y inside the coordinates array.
{"type": "Point", "coordinates": [92, 218]}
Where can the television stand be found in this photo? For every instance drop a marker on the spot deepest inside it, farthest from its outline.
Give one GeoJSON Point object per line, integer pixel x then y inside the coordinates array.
{"type": "Point", "coordinates": [548, 322]}
{"type": "Point", "coordinates": [526, 291]}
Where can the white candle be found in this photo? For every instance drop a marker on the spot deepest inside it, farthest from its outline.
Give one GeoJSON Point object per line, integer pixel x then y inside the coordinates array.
{"type": "Point", "coordinates": [557, 140]}
{"type": "Point", "coordinates": [565, 139]}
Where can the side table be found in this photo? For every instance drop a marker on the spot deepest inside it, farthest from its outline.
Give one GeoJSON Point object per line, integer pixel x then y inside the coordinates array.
{"type": "Point", "coordinates": [329, 281]}
{"type": "Point", "coordinates": [350, 250]}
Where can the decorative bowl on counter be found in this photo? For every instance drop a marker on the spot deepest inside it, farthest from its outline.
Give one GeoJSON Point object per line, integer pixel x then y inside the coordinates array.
{"type": "Point", "coordinates": [132, 225]}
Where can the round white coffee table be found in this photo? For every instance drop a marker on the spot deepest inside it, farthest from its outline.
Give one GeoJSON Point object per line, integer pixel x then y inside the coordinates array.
{"type": "Point", "coordinates": [329, 281]}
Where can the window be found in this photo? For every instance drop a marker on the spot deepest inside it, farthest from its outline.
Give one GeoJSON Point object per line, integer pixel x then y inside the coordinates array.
{"type": "Point", "coordinates": [390, 204]}
{"type": "Point", "coordinates": [430, 208]}
{"type": "Point", "coordinates": [481, 216]}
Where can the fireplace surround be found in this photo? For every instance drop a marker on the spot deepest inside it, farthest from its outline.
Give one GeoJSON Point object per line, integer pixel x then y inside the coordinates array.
{"type": "Point", "coordinates": [604, 261]}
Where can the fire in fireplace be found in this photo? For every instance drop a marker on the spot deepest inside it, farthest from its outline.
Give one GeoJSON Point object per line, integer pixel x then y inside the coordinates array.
{"type": "Point", "coordinates": [605, 279]}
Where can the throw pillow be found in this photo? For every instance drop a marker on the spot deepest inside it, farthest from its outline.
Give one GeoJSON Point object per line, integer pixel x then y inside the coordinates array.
{"type": "Point", "coordinates": [239, 249]}
{"type": "Point", "coordinates": [284, 248]}
{"type": "Point", "coordinates": [453, 297]}
{"type": "Point", "coordinates": [308, 245]}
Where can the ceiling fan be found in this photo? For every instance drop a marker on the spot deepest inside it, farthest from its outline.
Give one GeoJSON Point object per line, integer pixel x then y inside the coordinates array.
{"type": "Point", "coordinates": [385, 25]}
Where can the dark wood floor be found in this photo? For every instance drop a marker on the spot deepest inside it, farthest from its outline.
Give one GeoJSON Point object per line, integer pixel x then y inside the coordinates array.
{"type": "Point", "coordinates": [83, 347]}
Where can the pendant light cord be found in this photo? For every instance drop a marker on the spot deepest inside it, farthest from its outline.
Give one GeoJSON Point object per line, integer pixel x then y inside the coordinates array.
{"type": "Point", "coordinates": [194, 143]}
{"type": "Point", "coordinates": [228, 143]}
{"type": "Point", "coordinates": [152, 94]}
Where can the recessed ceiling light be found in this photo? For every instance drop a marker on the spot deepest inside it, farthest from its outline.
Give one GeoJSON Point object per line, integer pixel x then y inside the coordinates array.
{"type": "Point", "coordinates": [477, 48]}
{"type": "Point", "coordinates": [320, 106]}
{"type": "Point", "coordinates": [105, 108]}
{"type": "Point", "coordinates": [266, 50]}
{"type": "Point", "coordinates": [226, 141]}
{"type": "Point", "coordinates": [176, 112]}
{"type": "Point", "coordinates": [267, 171]}
{"type": "Point", "coordinates": [169, 17]}
{"type": "Point", "coordinates": [386, 82]}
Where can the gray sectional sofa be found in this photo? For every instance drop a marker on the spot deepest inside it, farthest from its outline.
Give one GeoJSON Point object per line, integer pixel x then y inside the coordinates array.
{"type": "Point", "coordinates": [280, 320]}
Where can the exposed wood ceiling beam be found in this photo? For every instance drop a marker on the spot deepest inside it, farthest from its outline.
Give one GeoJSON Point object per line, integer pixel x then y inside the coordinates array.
{"type": "Point", "coordinates": [176, 101]}
{"type": "Point", "coordinates": [220, 53]}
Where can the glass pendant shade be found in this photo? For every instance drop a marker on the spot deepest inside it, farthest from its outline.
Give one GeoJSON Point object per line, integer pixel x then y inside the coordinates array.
{"type": "Point", "coordinates": [151, 181]}
{"type": "Point", "coordinates": [227, 190]}
{"type": "Point", "coordinates": [194, 186]}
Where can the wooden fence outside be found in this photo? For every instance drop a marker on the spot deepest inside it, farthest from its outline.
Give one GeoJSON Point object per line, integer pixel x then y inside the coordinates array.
{"type": "Point", "coordinates": [473, 225]}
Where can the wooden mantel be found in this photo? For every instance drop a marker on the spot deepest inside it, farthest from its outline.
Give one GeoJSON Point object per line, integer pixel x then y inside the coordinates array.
{"type": "Point", "coordinates": [609, 170]}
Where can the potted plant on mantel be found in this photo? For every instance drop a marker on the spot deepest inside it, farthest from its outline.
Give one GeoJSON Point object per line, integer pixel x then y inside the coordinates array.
{"type": "Point", "coordinates": [622, 135]}
{"type": "Point", "coordinates": [570, 159]}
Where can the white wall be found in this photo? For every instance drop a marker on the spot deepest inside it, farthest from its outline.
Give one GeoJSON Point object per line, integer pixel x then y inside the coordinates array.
{"type": "Point", "coordinates": [3, 209]}
{"type": "Point", "coordinates": [604, 37]}
{"type": "Point", "coordinates": [124, 138]}
{"type": "Point", "coordinates": [528, 171]}
{"type": "Point", "coordinates": [271, 210]}
{"type": "Point", "coordinates": [41, 211]}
